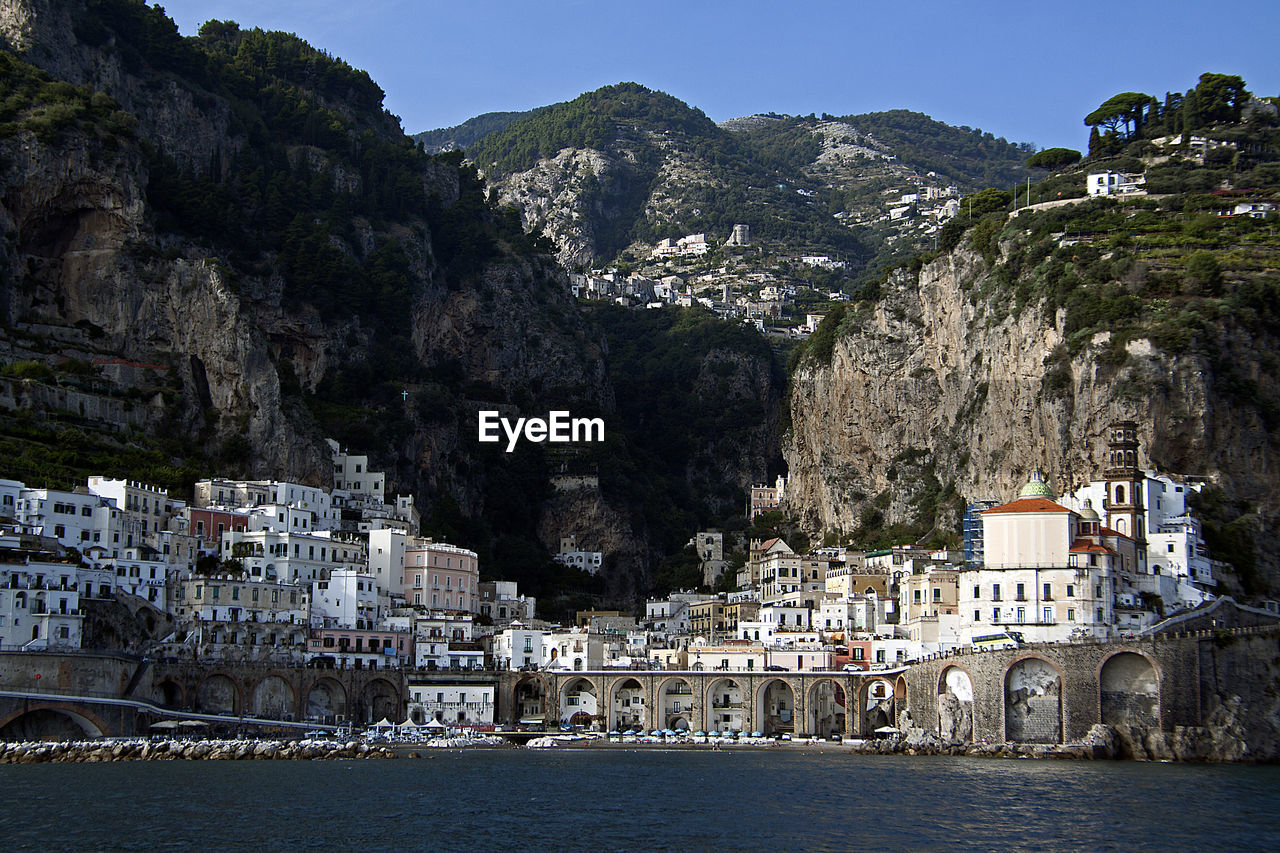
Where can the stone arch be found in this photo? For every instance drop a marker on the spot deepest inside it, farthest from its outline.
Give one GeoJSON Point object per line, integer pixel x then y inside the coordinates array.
{"type": "Point", "coordinates": [900, 704]}
{"type": "Point", "coordinates": [725, 708]}
{"type": "Point", "coordinates": [775, 707]}
{"type": "Point", "coordinates": [877, 705]}
{"type": "Point", "coordinates": [50, 721]}
{"type": "Point", "coordinates": [579, 696]}
{"type": "Point", "coordinates": [826, 707]}
{"type": "Point", "coordinates": [1129, 690]}
{"type": "Point", "coordinates": [1120, 494]}
{"type": "Point", "coordinates": [378, 698]}
{"type": "Point", "coordinates": [326, 701]}
{"type": "Point", "coordinates": [676, 700]}
{"type": "Point", "coordinates": [529, 699]}
{"type": "Point", "coordinates": [273, 698]}
{"type": "Point", "coordinates": [171, 693]}
{"type": "Point", "coordinates": [628, 705]}
{"type": "Point", "coordinates": [955, 704]}
{"type": "Point", "coordinates": [1033, 701]}
{"type": "Point", "coordinates": [218, 693]}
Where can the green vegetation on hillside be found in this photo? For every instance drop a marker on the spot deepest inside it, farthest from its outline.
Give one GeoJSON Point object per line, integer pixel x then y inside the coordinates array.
{"type": "Point", "coordinates": [30, 101]}
{"type": "Point", "coordinates": [688, 392]}
{"type": "Point", "coordinates": [470, 132]}
{"type": "Point", "coordinates": [967, 156]}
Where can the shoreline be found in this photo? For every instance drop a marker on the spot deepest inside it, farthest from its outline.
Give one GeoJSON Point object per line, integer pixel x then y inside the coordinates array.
{"type": "Point", "coordinates": [148, 749]}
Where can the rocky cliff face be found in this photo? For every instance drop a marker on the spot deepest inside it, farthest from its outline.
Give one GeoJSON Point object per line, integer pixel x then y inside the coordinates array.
{"type": "Point", "coordinates": [936, 386]}
{"type": "Point", "coordinates": [75, 212]}
{"type": "Point", "coordinates": [198, 330]}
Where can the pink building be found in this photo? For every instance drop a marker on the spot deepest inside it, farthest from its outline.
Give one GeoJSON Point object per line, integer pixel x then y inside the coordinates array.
{"type": "Point", "coordinates": [441, 577]}
{"type": "Point", "coordinates": [353, 648]}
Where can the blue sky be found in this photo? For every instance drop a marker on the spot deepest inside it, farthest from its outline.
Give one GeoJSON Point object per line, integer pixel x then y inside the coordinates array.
{"type": "Point", "coordinates": [1027, 71]}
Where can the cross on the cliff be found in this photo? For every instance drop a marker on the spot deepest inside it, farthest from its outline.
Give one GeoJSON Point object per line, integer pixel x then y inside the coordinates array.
{"type": "Point", "coordinates": [404, 395]}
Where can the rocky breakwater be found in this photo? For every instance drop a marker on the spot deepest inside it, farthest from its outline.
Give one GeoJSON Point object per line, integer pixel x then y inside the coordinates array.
{"type": "Point", "coordinates": [94, 751]}
{"type": "Point", "coordinates": [1223, 739]}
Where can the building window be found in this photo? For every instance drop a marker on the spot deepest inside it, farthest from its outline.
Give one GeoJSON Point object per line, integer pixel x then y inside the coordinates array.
{"type": "Point", "coordinates": [995, 593]}
{"type": "Point", "coordinates": [1021, 592]}
{"type": "Point", "coordinates": [1022, 614]}
{"type": "Point", "coordinates": [977, 591]}
{"type": "Point", "coordinates": [1071, 590]}
{"type": "Point", "coordinates": [1071, 614]}
{"type": "Point", "coordinates": [1048, 615]}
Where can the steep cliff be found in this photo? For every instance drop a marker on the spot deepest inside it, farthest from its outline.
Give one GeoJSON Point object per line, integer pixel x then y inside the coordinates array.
{"type": "Point", "coordinates": [219, 250]}
{"type": "Point", "coordinates": [1013, 352]}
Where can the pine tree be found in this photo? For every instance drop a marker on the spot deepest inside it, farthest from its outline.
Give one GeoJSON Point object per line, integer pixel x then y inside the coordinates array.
{"type": "Point", "coordinates": [1095, 142]}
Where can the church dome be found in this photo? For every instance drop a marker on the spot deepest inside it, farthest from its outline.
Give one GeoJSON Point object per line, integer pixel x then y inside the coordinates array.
{"type": "Point", "coordinates": [1036, 487]}
{"type": "Point", "coordinates": [1087, 512]}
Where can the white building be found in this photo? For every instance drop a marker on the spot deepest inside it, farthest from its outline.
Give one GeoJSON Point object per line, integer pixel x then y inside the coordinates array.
{"type": "Point", "coordinates": [574, 557]}
{"type": "Point", "coordinates": [39, 602]}
{"type": "Point", "coordinates": [76, 519]}
{"type": "Point", "coordinates": [1115, 183]}
{"type": "Point", "coordinates": [455, 705]}
{"type": "Point", "coordinates": [353, 475]}
{"type": "Point", "coordinates": [146, 509]}
{"type": "Point", "coordinates": [1173, 537]}
{"type": "Point", "coordinates": [518, 647]}
{"type": "Point", "coordinates": [1049, 574]}
{"type": "Point", "coordinates": [294, 557]}
{"type": "Point", "coordinates": [347, 599]}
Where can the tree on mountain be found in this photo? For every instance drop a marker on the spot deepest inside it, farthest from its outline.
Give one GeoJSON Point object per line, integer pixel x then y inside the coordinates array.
{"type": "Point", "coordinates": [985, 201]}
{"type": "Point", "coordinates": [1221, 97]}
{"type": "Point", "coordinates": [1053, 158]}
{"type": "Point", "coordinates": [1121, 113]}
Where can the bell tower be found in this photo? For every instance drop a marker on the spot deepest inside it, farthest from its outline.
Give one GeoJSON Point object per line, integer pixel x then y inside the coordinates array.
{"type": "Point", "coordinates": [1124, 510]}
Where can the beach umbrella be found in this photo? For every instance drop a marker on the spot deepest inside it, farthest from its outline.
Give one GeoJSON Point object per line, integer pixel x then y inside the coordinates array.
{"type": "Point", "coordinates": [713, 734]}
{"type": "Point", "coordinates": [757, 734]}
{"type": "Point", "coordinates": [656, 733]}
{"type": "Point", "coordinates": [699, 734]}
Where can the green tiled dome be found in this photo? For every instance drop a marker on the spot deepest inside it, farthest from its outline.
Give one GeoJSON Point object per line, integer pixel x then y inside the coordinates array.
{"type": "Point", "coordinates": [1037, 487]}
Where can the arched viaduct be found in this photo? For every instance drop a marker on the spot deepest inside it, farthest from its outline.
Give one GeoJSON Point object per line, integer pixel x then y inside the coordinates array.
{"type": "Point", "coordinates": [1049, 693]}
{"type": "Point", "coordinates": [799, 703]}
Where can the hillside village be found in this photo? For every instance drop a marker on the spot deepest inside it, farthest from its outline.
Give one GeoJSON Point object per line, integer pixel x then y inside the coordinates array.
{"type": "Point", "coordinates": [338, 578]}
{"type": "Point", "coordinates": [740, 280]}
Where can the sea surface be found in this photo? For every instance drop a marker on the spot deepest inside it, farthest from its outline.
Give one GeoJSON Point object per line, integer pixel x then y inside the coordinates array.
{"type": "Point", "coordinates": [607, 800]}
